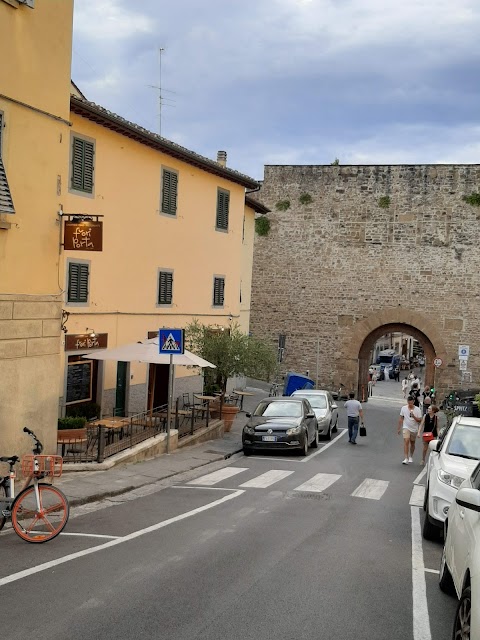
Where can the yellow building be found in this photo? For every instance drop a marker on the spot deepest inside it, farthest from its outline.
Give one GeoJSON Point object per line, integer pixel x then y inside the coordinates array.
{"type": "Point", "coordinates": [35, 47]}
{"type": "Point", "coordinates": [177, 244]}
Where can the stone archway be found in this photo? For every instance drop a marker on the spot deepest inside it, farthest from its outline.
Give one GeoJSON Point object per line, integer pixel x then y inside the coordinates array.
{"type": "Point", "coordinates": [366, 332]}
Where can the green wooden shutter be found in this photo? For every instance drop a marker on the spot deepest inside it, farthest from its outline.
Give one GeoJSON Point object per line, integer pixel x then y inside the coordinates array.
{"type": "Point", "coordinates": [165, 287]}
{"type": "Point", "coordinates": [169, 192]}
{"type": "Point", "coordinates": [218, 292]}
{"type": "Point", "coordinates": [78, 282]}
{"type": "Point", "coordinates": [82, 165]}
{"type": "Point", "coordinates": [223, 203]}
{"type": "Point", "coordinates": [1, 132]}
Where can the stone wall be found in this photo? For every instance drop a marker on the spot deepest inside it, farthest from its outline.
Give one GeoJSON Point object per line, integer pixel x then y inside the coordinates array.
{"type": "Point", "coordinates": [29, 364]}
{"type": "Point", "coordinates": [334, 269]}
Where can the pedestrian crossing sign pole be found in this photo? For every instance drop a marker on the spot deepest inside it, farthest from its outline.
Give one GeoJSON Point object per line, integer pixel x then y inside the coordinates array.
{"type": "Point", "coordinates": [171, 342]}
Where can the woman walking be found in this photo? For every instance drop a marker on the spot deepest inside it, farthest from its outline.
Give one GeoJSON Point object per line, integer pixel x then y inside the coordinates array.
{"type": "Point", "coordinates": [428, 429]}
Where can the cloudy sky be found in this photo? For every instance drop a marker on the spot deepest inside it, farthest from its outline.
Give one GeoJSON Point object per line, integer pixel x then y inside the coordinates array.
{"type": "Point", "coordinates": [290, 81]}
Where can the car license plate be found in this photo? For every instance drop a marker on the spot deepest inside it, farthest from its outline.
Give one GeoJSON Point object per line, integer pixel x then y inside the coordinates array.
{"type": "Point", "coordinates": [269, 438]}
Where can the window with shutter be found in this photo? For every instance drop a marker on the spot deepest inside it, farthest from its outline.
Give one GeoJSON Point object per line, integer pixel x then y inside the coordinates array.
{"type": "Point", "coordinates": [218, 292]}
{"type": "Point", "coordinates": [78, 275]}
{"type": "Point", "coordinates": [6, 200]}
{"type": "Point", "coordinates": [169, 192]}
{"type": "Point", "coordinates": [1, 132]}
{"type": "Point", "coordinates": [83, 152]}
{"type": "Point", "coordinates": [165, 287]}
{"type": "Point", "coordinates": [223, 204]}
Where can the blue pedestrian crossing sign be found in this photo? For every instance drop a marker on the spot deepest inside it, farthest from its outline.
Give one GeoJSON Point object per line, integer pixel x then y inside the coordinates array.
{"type": "Point", "coordinates": [171, 341]}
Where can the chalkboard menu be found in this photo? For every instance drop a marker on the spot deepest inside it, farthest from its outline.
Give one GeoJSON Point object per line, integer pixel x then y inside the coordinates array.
{"type": "Point", "coordinates": [79, 382]}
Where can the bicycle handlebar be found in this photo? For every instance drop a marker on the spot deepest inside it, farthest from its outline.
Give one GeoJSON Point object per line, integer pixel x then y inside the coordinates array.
{"type": "Point", "coordinates": [38, 445]}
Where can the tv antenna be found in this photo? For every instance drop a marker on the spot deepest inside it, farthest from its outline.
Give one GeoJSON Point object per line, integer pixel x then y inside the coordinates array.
{"type": "Point", "coordinates": [161, 99]}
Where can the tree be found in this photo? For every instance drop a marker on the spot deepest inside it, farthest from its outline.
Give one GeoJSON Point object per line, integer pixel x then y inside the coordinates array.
{"type": "Point", "coordinates": [336, 162]}
{"type": "Point", "coordinates": [233, 352]}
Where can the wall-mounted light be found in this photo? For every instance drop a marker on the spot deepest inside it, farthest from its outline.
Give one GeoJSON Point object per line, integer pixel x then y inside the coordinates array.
{"type": "Point", "coordinates": [91, 332]}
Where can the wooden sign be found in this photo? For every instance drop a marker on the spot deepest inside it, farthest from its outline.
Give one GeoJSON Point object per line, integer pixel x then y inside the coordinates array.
{"type": "Point", "coordinates": [79, 382]}
{"type": "Point", "coordinates": [85, 235]}
{"type": "Point", "coordinates": [84, 342]}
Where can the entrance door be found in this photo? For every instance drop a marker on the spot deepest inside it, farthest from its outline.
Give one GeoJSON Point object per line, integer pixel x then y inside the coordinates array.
{"type": "Point", "coordinates": [121, 390]}
{"type": "Point", "coordinates": [158, 385]}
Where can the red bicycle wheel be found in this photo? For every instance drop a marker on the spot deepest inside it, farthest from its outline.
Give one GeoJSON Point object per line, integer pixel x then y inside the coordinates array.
{"type": "Point", "coordinates": [42, 524]}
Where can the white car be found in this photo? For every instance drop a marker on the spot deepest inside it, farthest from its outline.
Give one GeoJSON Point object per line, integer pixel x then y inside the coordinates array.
{"type": "Point", "coordinates": [460, 566]}
{"type": "Point", "coordinates": [325, 408]}
{"type": "Point", "coordinates": [450, 462]}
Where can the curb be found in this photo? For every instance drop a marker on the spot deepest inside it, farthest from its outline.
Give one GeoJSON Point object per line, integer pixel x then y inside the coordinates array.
{"type": "Point", "coordinates": [77, 502]}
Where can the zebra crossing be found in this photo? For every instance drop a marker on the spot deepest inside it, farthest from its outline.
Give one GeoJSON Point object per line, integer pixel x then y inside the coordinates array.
{"type": "Point", "coordinates": [370, 488]}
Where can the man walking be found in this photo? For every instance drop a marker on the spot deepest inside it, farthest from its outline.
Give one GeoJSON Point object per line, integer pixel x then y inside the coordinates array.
{"type": "Point", "coordinates": [408, 421]}
{"type": "Point", "coordinates": [354, 413]}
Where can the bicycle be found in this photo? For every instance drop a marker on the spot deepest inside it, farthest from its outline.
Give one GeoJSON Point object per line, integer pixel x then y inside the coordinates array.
{"type": "Point", "coordinates": [40, 511]}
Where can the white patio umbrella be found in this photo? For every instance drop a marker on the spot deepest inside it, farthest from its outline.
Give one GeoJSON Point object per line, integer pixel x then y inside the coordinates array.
{"type": "Point", "coordinates": [147, 351]}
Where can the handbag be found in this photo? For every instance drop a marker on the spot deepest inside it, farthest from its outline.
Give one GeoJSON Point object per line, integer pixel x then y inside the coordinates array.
{"type": "Point", "coordinates": [363, 430]}
{"type": "Point", "coordinates": [428, 436]}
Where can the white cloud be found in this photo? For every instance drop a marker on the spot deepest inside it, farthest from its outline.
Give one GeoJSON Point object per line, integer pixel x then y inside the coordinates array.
{"type": "Point", "coordinates": [103, 20]}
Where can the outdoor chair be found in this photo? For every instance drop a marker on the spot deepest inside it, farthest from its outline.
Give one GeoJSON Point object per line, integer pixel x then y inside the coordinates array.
{"type": "Point", "coordinates": [186, 404]}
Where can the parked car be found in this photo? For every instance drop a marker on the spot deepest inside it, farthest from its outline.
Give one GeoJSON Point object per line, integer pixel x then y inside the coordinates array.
{"type": "Point", "coordinates": [325, 408]}
{"type": "Point", "coordinates": [281, 423]}
{"type": "Point", "coordinates": [460, 565]}
{"type": "Point", "coordinates": [450, 462]}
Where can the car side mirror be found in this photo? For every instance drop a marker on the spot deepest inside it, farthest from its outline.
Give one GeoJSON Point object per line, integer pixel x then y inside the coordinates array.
{"type": "Point", "coordinates": [434, 445]}
{"type": "Point", "coordinates": [310, 415]}
{"type": "Point", "coordinates": [468, 498]}
{"type": "Point", "coordinates": [248, 415]}
{"type": "Point", "coordinates": [334, 406]}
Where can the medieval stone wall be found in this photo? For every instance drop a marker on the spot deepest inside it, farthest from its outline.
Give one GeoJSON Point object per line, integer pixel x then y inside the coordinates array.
{"type": "Point", "coordinates": [334, 269]}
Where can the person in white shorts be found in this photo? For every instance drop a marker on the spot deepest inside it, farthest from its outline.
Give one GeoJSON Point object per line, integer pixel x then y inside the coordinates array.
{"type": "Point", "coordinates": [408, 421]}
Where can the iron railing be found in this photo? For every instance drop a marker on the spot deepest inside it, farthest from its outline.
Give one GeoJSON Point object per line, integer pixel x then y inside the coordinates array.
{"type": "Point", "coordinates": [110, 436]}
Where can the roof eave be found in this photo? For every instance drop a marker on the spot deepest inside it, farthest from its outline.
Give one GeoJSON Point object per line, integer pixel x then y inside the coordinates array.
{"type": "Point", "coordinates": [258, 207]}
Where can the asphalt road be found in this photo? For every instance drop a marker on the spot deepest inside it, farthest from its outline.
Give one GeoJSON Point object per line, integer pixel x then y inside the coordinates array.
{"type": "Point", "coordinates": [268, 547]}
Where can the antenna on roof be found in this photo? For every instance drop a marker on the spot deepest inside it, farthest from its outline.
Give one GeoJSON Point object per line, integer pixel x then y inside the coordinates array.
{"type": "Point", "coordinates": [161, 99]}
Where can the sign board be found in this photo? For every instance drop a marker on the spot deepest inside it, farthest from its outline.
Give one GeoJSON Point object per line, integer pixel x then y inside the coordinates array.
{"type": "Point", "coordinates": [438, 362]}
{"type": "Point", "coordinates": [463, 365]}
{"type": "Point", "coordinates": [85, 235]}
{"type": "Point", "coordinates": [84, 341]}
{"type": "Point", "coordinates": [463, 408]}
{"type": "Point", "coordinates": [463, 351]}
{"type": "Point", "coordinates": [171, 341]}
{"type": "Point", "coordinates": [79, 382]}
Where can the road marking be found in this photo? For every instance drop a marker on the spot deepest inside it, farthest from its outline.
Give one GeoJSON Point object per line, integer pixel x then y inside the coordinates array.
{"type": "Point", "coordinates": [266, 479]}
{"type": "Point", "coordinates": [91, 535]}
{"type": "Point", "coordinates": [217, 476]}
{"type": "Point", "coordinates": [112, 543]}
{"type": "Point", "coordinates": [178, 486]}
{"type": "Point", "coordinates": [288, 459]}
{"type": "Point", "coordinates": [420, 475]}
{"type": "Point", "coordinates": [421, 621]}
{"type": "Point", "coordinates": [308, 458]}
{"type": "Point", "coordinates": [372, 489]}
{"type": "Point", "coordinates": [318, 483]}
{"type": "Point", "coordinates": [418, 495]}
{"type": "Point", "coordinates": [432, 571]}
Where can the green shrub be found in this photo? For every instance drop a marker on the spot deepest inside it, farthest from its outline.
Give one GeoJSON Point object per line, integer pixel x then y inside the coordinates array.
{"type": "Point", "coordinates": [305, 198]}
{"type": "Point", "coordinates": [262, 226]}
{"type": "Point", "coordinates": [71, 422]}
{"type": "Point", "coordinates": [283, 205]}
{"type": "Point", "coordinates": [473, 199]}
{"type": "Point", "coordinates": [86, 410]}
{"type": "Point", "coordinates": [384, 202]}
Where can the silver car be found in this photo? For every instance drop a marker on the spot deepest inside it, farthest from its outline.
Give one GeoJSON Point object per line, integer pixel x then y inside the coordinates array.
{"type": "Point", "coordinates": [325, 408]}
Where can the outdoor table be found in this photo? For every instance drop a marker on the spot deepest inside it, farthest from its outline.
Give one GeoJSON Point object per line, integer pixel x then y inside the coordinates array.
{"type": "Point", "coordinates": [242, 395]}
{"type": "Point", "coordinates": [66, 441]}
{"type": "Point", "coordinates": [199, 397]}
{"type": "Point", "coordinates": [110, 423]}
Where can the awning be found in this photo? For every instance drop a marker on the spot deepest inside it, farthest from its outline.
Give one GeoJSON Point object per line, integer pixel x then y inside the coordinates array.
{"type": "Point", "coordinates": [6, 201]}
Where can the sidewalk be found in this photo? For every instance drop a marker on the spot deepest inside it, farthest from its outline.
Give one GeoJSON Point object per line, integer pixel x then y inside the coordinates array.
{"type": "Point", "coordinates": [89, 486]}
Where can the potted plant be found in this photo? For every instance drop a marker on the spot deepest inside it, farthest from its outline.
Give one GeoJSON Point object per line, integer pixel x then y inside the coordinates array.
{"type": "Point", "coordinates": [233, 353]}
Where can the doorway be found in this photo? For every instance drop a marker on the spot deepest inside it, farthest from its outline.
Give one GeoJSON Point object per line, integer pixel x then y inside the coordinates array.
{"type": "Point", "coordinates": [121, 389]}
{"type": "Point", "coordinates": [158, 385]}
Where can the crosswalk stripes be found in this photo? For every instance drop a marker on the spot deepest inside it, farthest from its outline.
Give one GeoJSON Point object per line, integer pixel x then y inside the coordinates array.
{"type": "Point", "coordinates": [266, 479]}
{"type": "Point", "coordinates": [318, 483]}
{"type": "Point", "coordinates": [369, 488]}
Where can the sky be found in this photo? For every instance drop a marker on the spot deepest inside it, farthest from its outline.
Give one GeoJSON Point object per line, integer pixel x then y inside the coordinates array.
{"type": "Point", "coordinates": [290, 81]}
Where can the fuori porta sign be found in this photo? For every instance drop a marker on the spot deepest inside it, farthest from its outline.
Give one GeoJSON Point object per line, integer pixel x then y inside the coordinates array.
{"type": "Point", "coordinates": [83, 235]}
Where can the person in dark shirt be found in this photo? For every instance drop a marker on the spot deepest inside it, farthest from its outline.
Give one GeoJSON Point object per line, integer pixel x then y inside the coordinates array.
{"type": "Point", "coordinates": [429, 424]}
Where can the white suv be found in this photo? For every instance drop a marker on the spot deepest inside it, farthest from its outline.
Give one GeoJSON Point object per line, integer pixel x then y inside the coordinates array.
{"type": "Point", "coordinates": [450, 462]}
{"type": "Point", "coordinates": [460, 566]}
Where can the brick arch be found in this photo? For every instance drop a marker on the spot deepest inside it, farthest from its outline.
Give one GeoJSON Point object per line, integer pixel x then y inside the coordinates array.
{"type": "Point", "coordinates": [367, 331]}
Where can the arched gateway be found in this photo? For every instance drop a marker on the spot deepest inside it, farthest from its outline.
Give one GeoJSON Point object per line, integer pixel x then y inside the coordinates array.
{"type": "Point", "coordinates": [366, 332]}
{"type": "Point", "coordinates": [356, 252]}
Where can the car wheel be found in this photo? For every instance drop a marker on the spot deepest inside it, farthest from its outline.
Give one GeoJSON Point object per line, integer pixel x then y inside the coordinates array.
{"type": "Point", "coordinates": [304, 449]}
{"type": "Point", "coordinates": [445, 580]}
{"type": "Point", "coordinates": [425, 499]}
{"type": "Point", "coordinates": [329, 433]}
{"type": "Point", "coordinates": [335, 426]}
{"type": "Point", "coordinates": [247, 452]}
{"type": "Point", "coordinates": [461, 626]}
{"type": "Point", "coordinates": [430, 531]}
{"type": "Point", "coordinates": [315, 440]}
